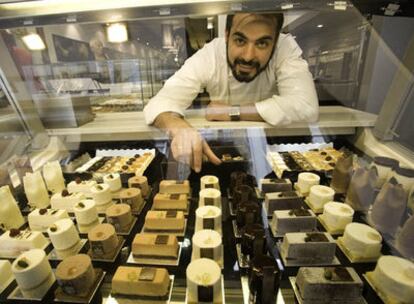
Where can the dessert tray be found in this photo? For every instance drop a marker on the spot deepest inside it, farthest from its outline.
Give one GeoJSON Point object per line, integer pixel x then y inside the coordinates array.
{"type": "Point", "coordinates": [59, 255]}
{"type": "Point", "coordinates": [223, 298]}
{"type": "Point", "coordinates": [155, 261]}
{"type": "Point", "coordinates": [108, 259]}
{"type": "Point", "coordinates": [351, 257]}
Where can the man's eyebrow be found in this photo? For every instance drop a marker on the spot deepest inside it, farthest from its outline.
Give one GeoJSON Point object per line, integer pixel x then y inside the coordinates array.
{"type": "Point", "coordinates": [241, 35]}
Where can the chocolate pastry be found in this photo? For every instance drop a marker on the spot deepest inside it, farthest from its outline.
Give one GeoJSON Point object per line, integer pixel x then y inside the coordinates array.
{"type": "Point", "coordinates": [248, 213]}
{"type": "Point", "coordinates": [264, 279]}
{"type": "Point", "coordinates": [253, 241]}
{"type": "Point", "coordinates": [243, 193]}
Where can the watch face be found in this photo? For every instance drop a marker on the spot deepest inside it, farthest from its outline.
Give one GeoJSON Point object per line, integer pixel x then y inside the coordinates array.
{"type": "Point", "coordinates": [234, 113]}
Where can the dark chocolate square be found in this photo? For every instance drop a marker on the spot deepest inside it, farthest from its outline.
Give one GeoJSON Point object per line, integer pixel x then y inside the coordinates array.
{"type": "Point", "coordinates": [147, 274]}
{"type": "Point", "coordinates": [207, 186]}
{"type": "Point", "coordinates": [208, 201]}
{"type": "Point", "coordinates": [207, 253]}
{"type": "Point", "coordinates": [161, 239]}
{"type": "Point", "coordinates": [316, 237]}
{"type": "Point", "coordinates": [174, 196]}
{"type": "Point", "coordinates": [208, 223]}
{"type": "Point", "coordinates": [205, 293]}
{"type": "Point", "coordinates": [171, 214]}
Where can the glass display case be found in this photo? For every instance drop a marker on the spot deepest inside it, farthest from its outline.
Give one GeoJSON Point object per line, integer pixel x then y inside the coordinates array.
{"type": "Point", "coordinates": [76, 76]}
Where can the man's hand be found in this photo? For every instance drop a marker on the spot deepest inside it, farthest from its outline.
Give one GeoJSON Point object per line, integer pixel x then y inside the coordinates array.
{"type": "Point", "coordinates": [217, 110]}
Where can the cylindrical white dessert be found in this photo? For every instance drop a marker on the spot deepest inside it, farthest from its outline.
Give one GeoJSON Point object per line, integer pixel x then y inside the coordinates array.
{"type": "Point", "coordinates": [204, 273]}
{"type": "Point", "coordinates": [63, 234]}
{"type": "Point", "coordinates": [320, 195]}
{"type": "Point", "coordinates": [210, 197]}
{"type": "Point", "coordinates": [209, 181]}
{"type": "Point", "coordinates": [6, 275]}
{"type": "Point", "coordinates": [394, 277]}
{"type": "Point", "coordinates": [208, 217]}
{"type": "Point", "coordinates": [86, 212]}
{"type": "Point", "coordinates": [52, 173]}
{"type": "Point", "coordinates": [337, 215]}
{"type": "Point", "coordinates": [33, 273]}
{"type": "Point", "coordinates": [35, 190]}
{"type": "Point", "coordinates": [101, 194]}
{"type": "Point", "coordinates": [362, 240]}
{"type": "Point", "coordinates": [10, 215]}
{"type": "Point", "coordinates": [114, 181]}
{"type": "Point", "coordinates": [207, 244]}
{"type": "Point", "coordinates": [306, 180]}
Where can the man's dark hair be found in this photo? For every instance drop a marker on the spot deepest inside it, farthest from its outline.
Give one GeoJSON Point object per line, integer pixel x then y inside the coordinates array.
{"type": "Point", "coordinates": [279, 21]}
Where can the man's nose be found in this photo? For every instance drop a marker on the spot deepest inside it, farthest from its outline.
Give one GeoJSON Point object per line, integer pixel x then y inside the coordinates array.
{"type": "Point", "coordinates": [249, 52]}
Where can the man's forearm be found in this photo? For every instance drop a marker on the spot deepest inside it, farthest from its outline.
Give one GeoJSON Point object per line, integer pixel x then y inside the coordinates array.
{"type": "Point", "coordinates": [170, 122]}
{"type": "Point", "coordinates": [248, 112]}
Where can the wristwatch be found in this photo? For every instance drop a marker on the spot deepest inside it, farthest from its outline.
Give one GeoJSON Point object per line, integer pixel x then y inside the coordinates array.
{"type": "Point", "coordinates": [234, 113]}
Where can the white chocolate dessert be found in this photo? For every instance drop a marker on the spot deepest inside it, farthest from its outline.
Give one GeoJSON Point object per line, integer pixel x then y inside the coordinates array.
{"type": "Point", "coordinates": [140, 182]}
{"type": "Point", "coordinates": [52, 173]}
{"type": "Point", "coordinates": [209, 181]}
{"type": "Point", "coordinates": [141, 281]}
{"type": "Point", "coordinates": [208, 217]}
{"type": "Point", "coordinates": [113, 180]}
{"type": "Point", "coordinates": [306, 180]}
{"type": "Point", "coordinates": [294, 220]}
{"type": "Point", "coordinates": [158, 221]}
{"type": "Point", "coordinates": [394, 277]}
{"type": "Point", "coordinates": [275, 185]}
{"type": "Point", "coordinates": [6, 275]}
{"type": "Point", "coordinates": [81, 186]}
{"type": "Point", "coordinates": [15, 241]}
{"type": "Point", "coordinates": [165, 201]}
{"type": "Point", "coordinates": [362, 241]}
{"type": "Point", "coordinates": [311, 247]}
{"type": "Point", "coordinates": [35, 190]}
{"type": "Point", "coordinates": [10, 215]}
{"type": "Point", "coordinates": [86, 213]}
{"type": "Point", "coordinates": [102, 196]}
{"type": "Point", "coordinates": [119, 216]}
{"type": "Point", "coordinates": [337, 215]}
{"type": "Point", "coordinates": [75, 275]}
{"type": "Point", "coordinates": [63, 234]}
{"type": "Point", "coordinates": [282, 201]}
{"type": "Point", "coordinates": [132, 197]}
{"type": "Point", "coordinates": [33, 273]}
{"type": "Point", "coordinates": [41, 219]}
{"type": "Point", "coordinates": [204, 281]}
{"type": "Point", "coordinates": [154, 246]}
{"type": "Point", "coordinates": [319, 196]}
{"type": "Point", "coordinates": [103, 240]}
{"type": "Point", "coordinates": [175, 186]}
{"type": "Point", "coordinates": [207, 244]}
{"type": "Point", "coordinates": [210, 197]}
{"type": "Point", "coordinates": [65, 200]}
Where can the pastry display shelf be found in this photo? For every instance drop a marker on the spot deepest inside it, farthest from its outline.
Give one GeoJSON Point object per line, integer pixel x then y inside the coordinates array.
{"type": "Point", "coordinates": [333, 120]}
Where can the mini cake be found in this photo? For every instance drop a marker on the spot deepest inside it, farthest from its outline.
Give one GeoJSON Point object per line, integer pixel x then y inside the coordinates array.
{"type": "Point", "coordinates": [248, 213]}
{"type": "Point", "coordinates": [294, 220]}
{"type": "Point", "coordinates": [253, 241]}
{"type": "Point", "coordinates": [86, 213]}
{"type": "Point", "coordinates": [35, 190]}
{"type": "Point", "coordinates": [204, 281]}
{"type": "Point", "coordinates": [164, 201]}
{"type": "Point", "coordinates": [63, 234]}
{"type": "Point", "coordinates": [326, 285]}
{"type": "Point", "coordinates": [337, 215]}
{"type": "Point", "coordinates": [394, 277]}
{"type": "Point", "coordinates": [154, 246]}
{"type": "Point", "coordinates": [311, 247]}
{"type": "Point", "coordinates": [362, 241]}
{"type": "Point", "coordinates": [320, 160]}
{"type": "Point", "coordinates": [278, 163]}
{"type": "Point", "coordinates": [263, 279]}
{"type": "Point", "coordinates": [243, 193]}
{"type": "Point", "coordinates": [405, 239]}
{"type": "Point", "coordinates": [175, 186]}
{"type": "Point", "coordinates": [208, 217]}
{"type": "Point", "coordinates": [282, 201]}
{"type": "Point", "coordinates": [140, 182]}
{"type": "Point", "coordinates": [52, 173]}
{"type": "Point", "coordinates": [301, 161]}
{"type": "Point", "coordinates": [164, 221]}
{"type": "Point", "coordinates": [384, 166]}
{"type": "Point", "coordinates": [341, 175]}
{"type": "Point", "coordinates": [15, 241]}
{"type": "Point", "coordinates": [6, 275]}
{"type": "Point", "coordinates": [132, 197]}
{"type": "Point", "coordinates": [103, 240]}
{"type": "Point", "coordinates": [10, 215]}
{"type": "Point", "coordinates": [75, 275]}
{"type": "Point", "coordinates": [275, 185]}
{"type": "Point", "coordinates": [113, 180]}
{"type": "Point", "coordinates": [120, 216]}
{"type": "Point", "coordinates": [102, 196]}
{"type": "Point", "coordinates": [33, 273]}
{"type": "Point", "coordinates": [41, 219]}
{"type": "Point", "coordinates": [65, 200]}
{"type": "Point", "coordinates": [319, 196]}
{"type": "Point", "coordinates": [389, 207]}
{"type": "Point", "coordinates": [361, 191]}
{"type": "Point", "coordinates": [141, 281]}
{"type": "Point", "coordinates": [209, 181]}
{"type": "Point", "coordinates": [306, 180]}
{"type": "Point", "coordinates": [210, 197]}
{"type": "Point", "coordinates": [207, 244]}
{"type": "Point", "coordinates": [81, 186]}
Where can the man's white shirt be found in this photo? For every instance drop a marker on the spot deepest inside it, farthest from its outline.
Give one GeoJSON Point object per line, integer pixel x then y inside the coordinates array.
{"type": "Point", "coordinates": [283, 93]}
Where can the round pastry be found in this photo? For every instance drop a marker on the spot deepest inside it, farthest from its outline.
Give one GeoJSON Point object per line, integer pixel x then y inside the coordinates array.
{"type": "Point", "coordinates": [320, 195]}
{"type": "Point", "coordinates": [132, 197]}
{"type": "Point", "coordinates": [120, 216]}
{"type": "Point", "coordinates": [114, 181]}
{"type": "Point", "coordinates": [101, 195]}
{"type": "Point", "coordinates": [337, 215]}
{"type": "Point", "coordinates": [306, 180]}
{"type": "Point", "coordinates": [394, 277]}
{"type": "Point", "coordinates": [63, 234]}
{"type": "Point", "coordinates": [86, 212]}
{"type": "Point", "coordinates": [209, 181]}
{"type": "Point", "coordinates": [204, 273]}
{"type": "Point", "coordinates": [362, 240]}
{"type": "Point", "coordinates": [208, 217]}
{"type": "Point", "coordinates": [210, 197]}
{"type": "Point", "coordinates": [75, 275]}
{"type": "Point", "coordinates": [207, 244]}
{"type": "Point", "coordinates": [103, 239]}
{"type": "Point", "coordinates": [140, 182]}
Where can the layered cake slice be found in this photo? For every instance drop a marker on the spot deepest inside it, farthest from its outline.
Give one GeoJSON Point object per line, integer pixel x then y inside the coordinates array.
{"type": "Point", "coordinates": [65, 200]}
{"type": "Point", "coordinates": [275, 185]}
{"type": "Point", "coordinates": [326, 285]}
{"type": "Point", "coordinates": [154, 246]}
{"type": "Point", "coordinates": [119, 216]}
{"type": "Point", "coordinates": [10, 214]}
{"type": "Point", "coordinates": [175, 186]}
{"type": "Point", "coordinates": [103, 240]}
{"type": "Point", "coordinates": [294, 220]}
{"type": "Point", "coordinates": [15, 241]}
{"type": "Point", "coordinates": [63, 234]}
{"type": "Point", "coordinates": [41, 219]}
{"type": "Point", "coordinates": [169, 221]}
{"type": "Point", "coordinates": [283, 201]}
{"type": "Point", "coordinates": [6, 275]}
{"type": "Point", "coordinates": [81, 186]}
{"type": "Point", "coordinates": [141, 281]}
{"type": "Point", "coordinates": [164, 201]}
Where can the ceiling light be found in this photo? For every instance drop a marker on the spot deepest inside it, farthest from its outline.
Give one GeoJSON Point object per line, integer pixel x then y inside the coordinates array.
{"type": "Point", "coordinates": [319, 25]}
{"type": "Point", "coordinates": [117, 32]}
{"type": "Point", "coordinates": [34, 42]}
